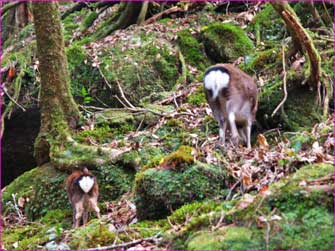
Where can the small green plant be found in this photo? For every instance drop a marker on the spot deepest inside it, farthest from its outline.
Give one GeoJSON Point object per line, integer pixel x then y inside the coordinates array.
{"type": "Point", "coordinates": [86, 96]}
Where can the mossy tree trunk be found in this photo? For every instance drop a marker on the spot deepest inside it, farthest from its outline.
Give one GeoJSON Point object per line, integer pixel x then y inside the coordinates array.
{"type": "Point", "coordinates": [301, 39]}
{"type": "Point", "coordinates": [58, 109]}
{"type": "Point", "coordinates": [129, 14]}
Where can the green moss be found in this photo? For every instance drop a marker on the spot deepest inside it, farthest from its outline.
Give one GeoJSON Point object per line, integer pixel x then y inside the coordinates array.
{"type": "Point", "coordinates": [198, 97]}
{"type": "Point", "coordinates": [91, 235]}
{"type": "Point", "coordinates": [268, 24]}
{"type": "Point", "coordinates": [159, 191]}
{"type": "Point", "coordinates": [149, 68]}
{"type": "Point", "coordinates": [264, 60]}
{"type": "Point", "coordinates": [180, 159]}
{"type": "Point", "coordinates": [114, 181]}
{"type": "Point", "coordinates": [232, 238]}
{"type": "Point", "coordinates": [197, 208]}
{"type": "Point", "coordinates": [44, 186]}
{"type": "Point", "coordinates": [100, 135]}
{"type": "Point", "coordinates": [58, 217]}
{"type": "Point", "coordinates": [83, 75]}
{"type": "Point", "coordinates": [312, 231]}
{"type": "Point", "coordinates": [192, 50]}
{"type": "Point", "coordinates": [72, 23]}
{"type": "Point", "coordinates": [29, 237]}
{"type": "Point", "coordinates": [89, 20]}
{"type": "Point", "coordinates": [306, 218]}
{"type": "Point", "coordinates": [225, 42]}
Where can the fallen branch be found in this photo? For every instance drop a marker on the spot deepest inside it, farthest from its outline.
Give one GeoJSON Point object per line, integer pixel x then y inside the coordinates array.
{"type": "Point", "coordinates": [154, 18]}
{"type": "Point", "coordinates": [154, 238]}
{"type": "Point", "coordinates": [284, 84]}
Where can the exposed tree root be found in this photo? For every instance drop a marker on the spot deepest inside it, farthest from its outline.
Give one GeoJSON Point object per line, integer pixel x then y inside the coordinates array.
{"type": "Point", "coordinates": [75, 155]}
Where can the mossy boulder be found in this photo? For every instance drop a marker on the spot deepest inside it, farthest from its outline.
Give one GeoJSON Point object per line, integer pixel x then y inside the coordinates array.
{"type": "Point", "coordinates": [225, 42]}
{"type": "Point", "coordinates": [143, 66]}
{"type": "Point", "coordinates": [295, 116]}
{"type": "Point", "coordinates": [303, 217]}
{"type": "Point", "coordinates": [265, 60]}
{"type": "Point", "coordinates": [177, 181]}
{"type": "Point", "coordinates": [230, 238]}
{"type": "Point", "coordinates": [267, 24]}
{"type": "Point", "coordinates": [192, 49]}
{"type": "Point", "coordinates": [45, 188]}
{"type": "Point", "coordinates": [87, 84]}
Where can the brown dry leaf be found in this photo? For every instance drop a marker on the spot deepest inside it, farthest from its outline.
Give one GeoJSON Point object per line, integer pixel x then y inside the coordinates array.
{"type": "Point", "coordinates": [246, 180]}
{"type": "Point", "coordinates": [263, 144]}
{"type": "Point", "coordinates": [264, 189]}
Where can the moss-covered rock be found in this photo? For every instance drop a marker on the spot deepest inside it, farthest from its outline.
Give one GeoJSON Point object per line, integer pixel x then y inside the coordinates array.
{"type": "Point", "coordinates": [303, 217]}
{"type": "Point", "coordinates": [295, 116]}
{"type": "Point", "coordinates": [177, 181]}
{"type": "Point", "coordinates": [230, 238]}
{"type": "Point", "coordinates": [142, 66]}
{"type": "Point", "coordinates": [266, 60]}
{"type": "Point", "coordinates": [43, 186]}
{"type": "Point", "coordinates": [192, 50]}
{"type": "Point", "coordinates": [267, 25]}
{"type": "Point", "coordinates": [225, 42]}
{"type": "Point", "coordinates": [86, 82]}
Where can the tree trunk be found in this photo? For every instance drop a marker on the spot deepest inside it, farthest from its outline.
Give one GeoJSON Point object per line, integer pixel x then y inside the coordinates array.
{"type": "Point", "coordinates": [129, 16]}
{"type": "Point", "coordinates": [15, 16]}
{"type": "Point", "coordinates": [143, 13]}
{"type": "Point", "coordinates": [58, 109]}
{"type": "Point", "coordinates": [301, 39]}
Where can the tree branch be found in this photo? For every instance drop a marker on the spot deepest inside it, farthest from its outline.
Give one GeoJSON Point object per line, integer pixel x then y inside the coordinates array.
{"type": "Point", "coordinates": [284, 84]}
{"type": "Point", "coordinates": [154, 238]}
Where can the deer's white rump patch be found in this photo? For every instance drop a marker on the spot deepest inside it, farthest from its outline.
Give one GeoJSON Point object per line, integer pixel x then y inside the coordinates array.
{"type": "Point", "coordinates": [86, 183]}
{"type": "Point", "coordinates": [215, 81]}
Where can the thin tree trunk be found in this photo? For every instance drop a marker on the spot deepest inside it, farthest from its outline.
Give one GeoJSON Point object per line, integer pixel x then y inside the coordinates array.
{"type": "Point", "coordinates": [143, 13]}
{"type": "Point", "coordinates": [58, 109]}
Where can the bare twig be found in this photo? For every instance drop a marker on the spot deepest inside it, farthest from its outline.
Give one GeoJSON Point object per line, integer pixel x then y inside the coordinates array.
{"type": "Point", "coordinates": [123, 96]}
{"type": "Point", "coordinates": [232, 189]}
{"type": "Point", "coordinates": [154, 238]}
{"type": "Point", "coordinates": [219, 223]}
{"type": "Point", "coordinates": [18, 211]}
{"type": "Point", "coordinates": [12, 99]}
{"type": "Point", "coordinates": [175, 100]}
{"type": "Point", "coordinates": [284, 83]}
